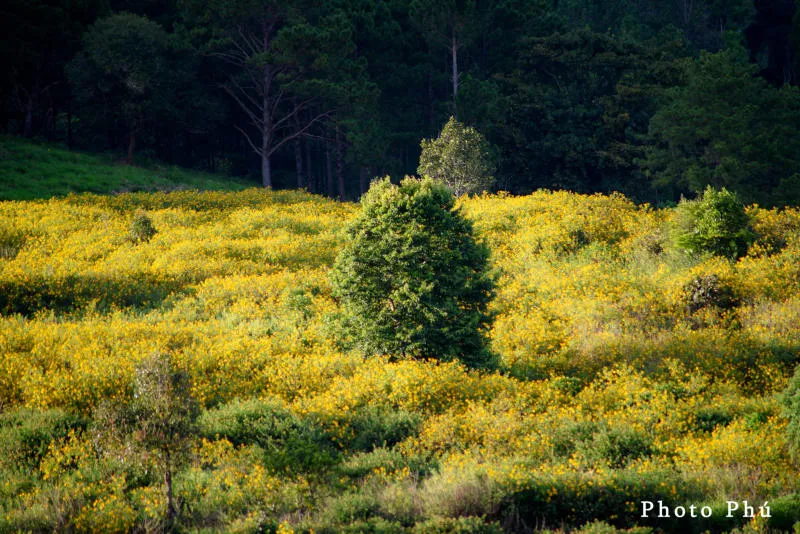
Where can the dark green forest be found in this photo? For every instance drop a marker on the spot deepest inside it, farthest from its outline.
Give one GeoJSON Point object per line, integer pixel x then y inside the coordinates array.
{"type": "Point", "coordinates": [652, 98]}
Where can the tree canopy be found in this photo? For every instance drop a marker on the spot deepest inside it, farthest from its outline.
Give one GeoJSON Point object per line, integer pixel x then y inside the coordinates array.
{"type": "Point", "coordinates": [412, 280]}
{"type": "Point", "coordinates": [585, 96]}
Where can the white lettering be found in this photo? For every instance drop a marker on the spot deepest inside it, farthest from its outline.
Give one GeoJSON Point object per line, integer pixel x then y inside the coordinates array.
{"type": "Point", "coordinates": [748, 510]}
{"type": "Point", "coordinates": [763, 510]}
{"type": "Point", "coordinates": [646, 507]}
{"type": "Point", "coordinates": [732, 507]}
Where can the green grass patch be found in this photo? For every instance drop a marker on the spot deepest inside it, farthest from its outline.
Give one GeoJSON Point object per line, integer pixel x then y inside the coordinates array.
{"type": "Point", "coordinates": [30, 170]}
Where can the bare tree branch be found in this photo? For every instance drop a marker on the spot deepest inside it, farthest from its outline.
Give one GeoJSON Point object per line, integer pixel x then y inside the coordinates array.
{"type": "Point", "coordinates": [250, 142]}
{"type": "Point", "coordinates": [301, 131]}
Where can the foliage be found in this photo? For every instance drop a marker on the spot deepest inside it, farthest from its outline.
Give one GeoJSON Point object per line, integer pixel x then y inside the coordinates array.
{"type": "Point", "coordinates": [610, 392]}
{"type": "Point", "coordinates": [461, 525]}
{"type": "Point", "coordinates": [708, 291]}
{"type": "Point", "coordinates": [412, 280]}
{"type": "Point", "coordinates": [159, 421]}
{"type": "Point", "coordinates": [727, 127]}
{"type": "Point", "coordinates": [791, 409]}
{"type": "Point", "coordinates": [458, 158]}
{"type": "Point", "coordinates": [142, 229]}
{"type": "Point", "coordinates": [714, 223]}
{"type": "Point", "coordinates": [125, 63]}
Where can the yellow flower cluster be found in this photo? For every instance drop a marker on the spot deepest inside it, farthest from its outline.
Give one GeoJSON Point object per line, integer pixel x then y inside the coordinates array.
{"type": "Point", "coordinates": [605, 371]}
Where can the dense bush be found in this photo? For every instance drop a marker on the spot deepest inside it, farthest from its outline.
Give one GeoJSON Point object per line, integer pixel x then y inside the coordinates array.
{"type": "Point", "coordinates": [461, 525]}
{"type": "Point", "coordinates": [26, 435]}
{"type": "Point", "coordinates": [708, 291]}
{"type": "Point", "coordinates": [141, 229]}
{"type": "Point", "coordinates": [288, 442]}
{"type": "Point", "coordinates": [791, 409]}
{"type": "Point", "coordinates": [411, 279]}
{"type": "Point", "coordinates": [714, 223]}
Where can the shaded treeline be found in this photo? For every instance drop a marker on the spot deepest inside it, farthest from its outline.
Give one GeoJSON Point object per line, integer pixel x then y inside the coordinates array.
{"type": "Point", "coordinates": [653, 98]}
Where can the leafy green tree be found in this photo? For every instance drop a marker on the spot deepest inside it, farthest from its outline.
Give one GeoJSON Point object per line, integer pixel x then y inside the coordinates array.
{"type": "Point", "coordinates": [412, 281]}
{"type": "Point", "coordinates": [714, 223]}
{"type": "Point", "coordinates": [121, 76]}
{"type": "Point", "coordinates": [727, 127]}
{"type": "Point", "coordinates": [291, 66]}
{"type": "Point", "coordinates": [159, 423]}
{"type": "Point", "coordinates": [459, 158]}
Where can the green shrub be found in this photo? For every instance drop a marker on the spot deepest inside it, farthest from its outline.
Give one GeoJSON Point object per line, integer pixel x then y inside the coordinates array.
{"type": "Point", "coordinates": [141, 229]}
{"type": "Point", "coordinates": [619, 447]}
{"type": "Point", "coordinates": [714, 223]}
{"type": "Point", "coordinates": [460, 525]}
{"type": "Point", "coordinates": [707, 419]}
{"type": "Point", "coordinates": [26, 434]}
{"type": "Point", "coordinates": [365, 463]}
{"type": "Point", "coordinates": [288, 441]}
{"type": "Point", "coordinates": [382, 428]}
{"type": "Point", "coordinates": [600, 527]}
{"type": "Point", "coordinates": [352, 506]}
{"type": "Point", "coordinates": [790, 399]}
{"type": "Point", "coordinates": [412, 281]}
{"type": "Point", "coordinates": [708, 292]}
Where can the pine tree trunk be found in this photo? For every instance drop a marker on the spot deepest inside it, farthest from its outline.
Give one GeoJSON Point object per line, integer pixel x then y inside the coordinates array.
{"type": "Point", "coordinates": [330, 178]}
{"type": "Point", "coordinates": [266, 171]}
{"type": "Point", "coordinates": [340, 163]}
{"type": "Point", "coordinates": [298, 163]}
{"type": "Point", "coordinates": [298, 153]}
{"type": "Point", "coordinates": [313, 186]}
{"type": "Point", "coordinates": [363, 179]}
{"type": "Point", "coordinates": [28, 127]}
{"type": "Point", "coordinates": [69, 124]}
{"type": "Point", "coordinates": [266, 168]}
{"type": "Point", "coordinates": [131, 146]}
{"type": "Point", "coordinates": [454, 48]}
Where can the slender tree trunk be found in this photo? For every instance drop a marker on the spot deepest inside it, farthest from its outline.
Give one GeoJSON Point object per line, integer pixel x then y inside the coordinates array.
{"type": "Point", "coordinates": [310, 178]}
{"type": "Point", "coordinates": [298, 153]}
{"type": "Point", "coordinates": [363, 179]}
{"type": "Point", "coordinates": [69, 124]}
{"type": "Point", "coordinates": [131, 146]}
{"type": "Point", "coordinates": [340, 162]}
{"type": "Point", "coordinates": [28, 127]}
{"type": "Point", "coordinates": [171, 512]}
{"type": "Point", "coordinates": [329, 160]}
{"type": "Point", "coordinates": [266, 171]}
{"type": "Point", "coordinates": [430, 108]}
{"type": "Point", "coordinates": [266, 168]}
{"type": "Point", "coordinates": [298, 163]}
{"type": "Point", "coordinates": [454, 49]}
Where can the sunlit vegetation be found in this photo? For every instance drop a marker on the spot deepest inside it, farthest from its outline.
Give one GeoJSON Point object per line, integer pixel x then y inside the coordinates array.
{"type": "Point", "coordinates": [627, 370]}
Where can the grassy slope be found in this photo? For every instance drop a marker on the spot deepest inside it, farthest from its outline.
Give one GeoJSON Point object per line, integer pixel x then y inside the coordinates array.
{"type": "Point", "coordinates": [29, 171]}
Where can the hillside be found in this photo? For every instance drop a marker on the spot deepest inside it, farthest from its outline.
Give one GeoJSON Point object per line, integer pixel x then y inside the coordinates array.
{"type": "Point", "coordinates": [30, 170]}
{"type": "Point", "coordinates": [612, 388]}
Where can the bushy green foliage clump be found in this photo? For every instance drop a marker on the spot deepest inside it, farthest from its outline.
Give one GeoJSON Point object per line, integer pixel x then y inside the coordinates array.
{"type": "Point", "coordinates": [459, 158]}
{"type": "Point", "coordinates": [714, 223]}
{"type": "Point", "coordinates": [791, 409]}
{"type": "Point", "coordinates": [412, 280]}
{"type": "Point", "coordinates": [142, 229]}
{"type": "Point", "coordinates": [708, 291]}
